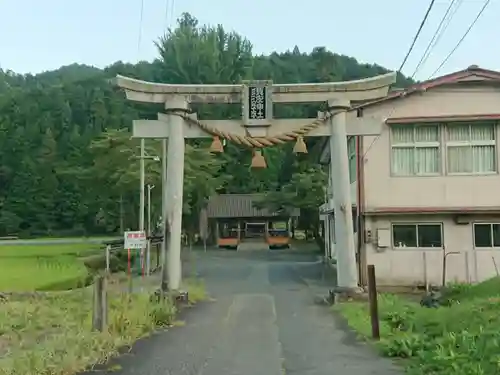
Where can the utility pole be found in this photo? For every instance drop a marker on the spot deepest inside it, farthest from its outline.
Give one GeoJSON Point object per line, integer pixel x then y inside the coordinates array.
{"type": "Point", "coordinates": [141, 200]}
{"type": "Point", "coordinates": [148, 251]}
{"type": "Point", "coordinates": [143, 156]}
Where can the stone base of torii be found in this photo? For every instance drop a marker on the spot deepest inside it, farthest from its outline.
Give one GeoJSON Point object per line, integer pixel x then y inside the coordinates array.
{"type": "Point", "coordinates": [258, 129]}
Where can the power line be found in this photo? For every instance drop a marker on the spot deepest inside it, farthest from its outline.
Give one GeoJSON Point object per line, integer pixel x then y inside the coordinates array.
{"type": "Point", "coordinates": [167, 15]}
{"type": "Point", "coordinates": [424, 20]}
{"type": "Point", "coordinates": [417, 34]}
{"type": "Point", "coordinates": [165, 21]}
{"type": "Point", "coordinates": [437, 34]}
{"type": "Point", "coordinates": [448, 22]}
{"type": "Point", "coordinates": [139, 38]}
{"type": "Point", "coordinates": [172, 9]}
{"type": "Point", "coordinates": [462, 39]}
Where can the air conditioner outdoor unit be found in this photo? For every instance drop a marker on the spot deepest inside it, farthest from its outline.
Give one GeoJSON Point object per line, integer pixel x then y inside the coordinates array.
{"type": "Point", "coordinates": [461, 219]}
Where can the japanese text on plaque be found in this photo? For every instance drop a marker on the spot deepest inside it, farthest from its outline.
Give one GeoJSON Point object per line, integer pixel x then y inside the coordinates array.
{"type": "Point", "coordinates": [257, 103]}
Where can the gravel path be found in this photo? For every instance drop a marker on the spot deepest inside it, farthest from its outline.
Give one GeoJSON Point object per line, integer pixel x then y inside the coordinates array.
{"type": "Point", "coordinates": [263, 320]}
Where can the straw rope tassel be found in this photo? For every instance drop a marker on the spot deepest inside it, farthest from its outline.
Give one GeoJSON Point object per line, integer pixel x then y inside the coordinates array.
{"type": "Point", "coordinates": [258, 160]}
{"type": "Point", "coordinates": [300, 146]}
{"type": "Point", "coordinates": [216, 146]}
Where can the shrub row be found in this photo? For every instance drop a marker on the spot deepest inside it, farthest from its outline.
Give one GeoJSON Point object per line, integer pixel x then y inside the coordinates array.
{"type": "Point", "coordinates": [459, 337]}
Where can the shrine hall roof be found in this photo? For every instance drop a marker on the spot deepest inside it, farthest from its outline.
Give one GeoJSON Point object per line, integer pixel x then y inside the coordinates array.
{"type": "Point", "coordinates": [240, 206]}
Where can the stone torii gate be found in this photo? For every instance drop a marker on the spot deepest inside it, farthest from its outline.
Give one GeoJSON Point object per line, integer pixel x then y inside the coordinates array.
{"type": "Point", "coordinates": [258, 129]}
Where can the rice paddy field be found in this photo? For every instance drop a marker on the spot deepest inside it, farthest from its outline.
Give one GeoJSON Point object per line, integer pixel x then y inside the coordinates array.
{"type": "Point", "coordinates": [43, 267]}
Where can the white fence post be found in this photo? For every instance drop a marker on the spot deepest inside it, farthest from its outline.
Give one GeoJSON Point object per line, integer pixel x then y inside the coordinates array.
{"type": "Point", "coordinates": [108, 255]}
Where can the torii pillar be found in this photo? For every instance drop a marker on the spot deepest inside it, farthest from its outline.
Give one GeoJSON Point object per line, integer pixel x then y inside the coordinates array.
{"type": "Point", "coordinates": [347, 272]}
{"type": "Point", "coordinates": [175, 186]}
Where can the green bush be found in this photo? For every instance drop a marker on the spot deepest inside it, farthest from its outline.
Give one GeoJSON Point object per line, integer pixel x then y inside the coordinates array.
{"type": "Point", "coordinates": [162, 312]}
{"type": "Point", "coordinates": [462, 337]}
{"type": "Point", "coordinates": [117, 262]}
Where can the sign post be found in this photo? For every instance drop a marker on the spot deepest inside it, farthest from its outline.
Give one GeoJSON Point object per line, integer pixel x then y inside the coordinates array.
{"type": "Point", "coordinates": [133, 240]}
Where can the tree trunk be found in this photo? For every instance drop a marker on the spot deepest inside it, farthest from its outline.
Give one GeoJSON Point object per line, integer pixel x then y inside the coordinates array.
{"type": "Point", "coordinates": [122, 215]}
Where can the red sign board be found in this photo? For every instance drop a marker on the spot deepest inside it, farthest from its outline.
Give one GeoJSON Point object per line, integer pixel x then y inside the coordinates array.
{"type": "Point", "coordinates": [135, 240]}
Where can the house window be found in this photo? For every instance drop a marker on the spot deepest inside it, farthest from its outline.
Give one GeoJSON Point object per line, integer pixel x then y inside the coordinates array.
{"type": "Point", "coordinates": [415, 150]}
{"type": "Point", "coordinates": [471, 148]}
{"type": "Point", "coordinates": [417, 235]}
{"type": "Point", "coordinates": [486, 235]}
{"type": "Point", "coordinates": [351, 152]}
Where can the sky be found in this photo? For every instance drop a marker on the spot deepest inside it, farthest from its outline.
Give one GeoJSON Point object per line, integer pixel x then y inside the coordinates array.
{"type": "Point", "coordinates": [38, 35]}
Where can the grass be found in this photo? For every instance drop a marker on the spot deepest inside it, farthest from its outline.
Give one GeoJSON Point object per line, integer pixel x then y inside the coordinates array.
{"type": "Point", "coordinates": [196, 290]}
{"type": "Point", "coordinates": [32, 274]}
{"type": "Point", "coordinates": [460, 337]}
{"type": "Point", "coordinates": [49, 250]}
{"type": "Point", "coordinates": [52, 335]}
{"type": "Point", "coordinates": [41, 267]}
{"type": "Point", "coordinates": [82, 238]}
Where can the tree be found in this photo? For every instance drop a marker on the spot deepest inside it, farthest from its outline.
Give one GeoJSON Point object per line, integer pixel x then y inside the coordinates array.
{"type": "Point", "coordinates": [117, 165]}
{"type": "Point", "coordinates": [46, 187]}
{"type": "Point", "coordinates": [192, 54]}
{"type": "Point", "coordinates": [66, 157]}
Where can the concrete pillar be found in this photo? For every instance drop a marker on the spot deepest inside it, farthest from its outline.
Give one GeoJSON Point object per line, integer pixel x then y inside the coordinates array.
{"type": "Point", "coordinates": [174, 190]}
{"type": "Point", "coordinates": [347, 274]}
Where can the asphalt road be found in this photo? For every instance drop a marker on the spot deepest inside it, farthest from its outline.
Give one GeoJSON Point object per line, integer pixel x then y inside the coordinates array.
{"type": "Point", "coordinates": [263, 320]}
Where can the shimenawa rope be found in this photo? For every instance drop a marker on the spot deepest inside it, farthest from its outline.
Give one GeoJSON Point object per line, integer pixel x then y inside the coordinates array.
{"type": "Point", "coordinates": [261, 142]}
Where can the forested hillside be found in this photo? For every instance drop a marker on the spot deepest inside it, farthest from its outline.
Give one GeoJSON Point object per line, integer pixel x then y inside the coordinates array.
{"type": "Point", "coordinates": [67, 163]}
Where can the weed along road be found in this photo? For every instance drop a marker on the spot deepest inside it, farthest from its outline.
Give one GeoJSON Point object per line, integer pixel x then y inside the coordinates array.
{"type": "Point", "coordinates": [262, 320]}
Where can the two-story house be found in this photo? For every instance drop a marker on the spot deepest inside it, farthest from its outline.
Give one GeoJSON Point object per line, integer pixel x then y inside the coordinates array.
{"type": "Point", "coordinates": [429, 184]}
